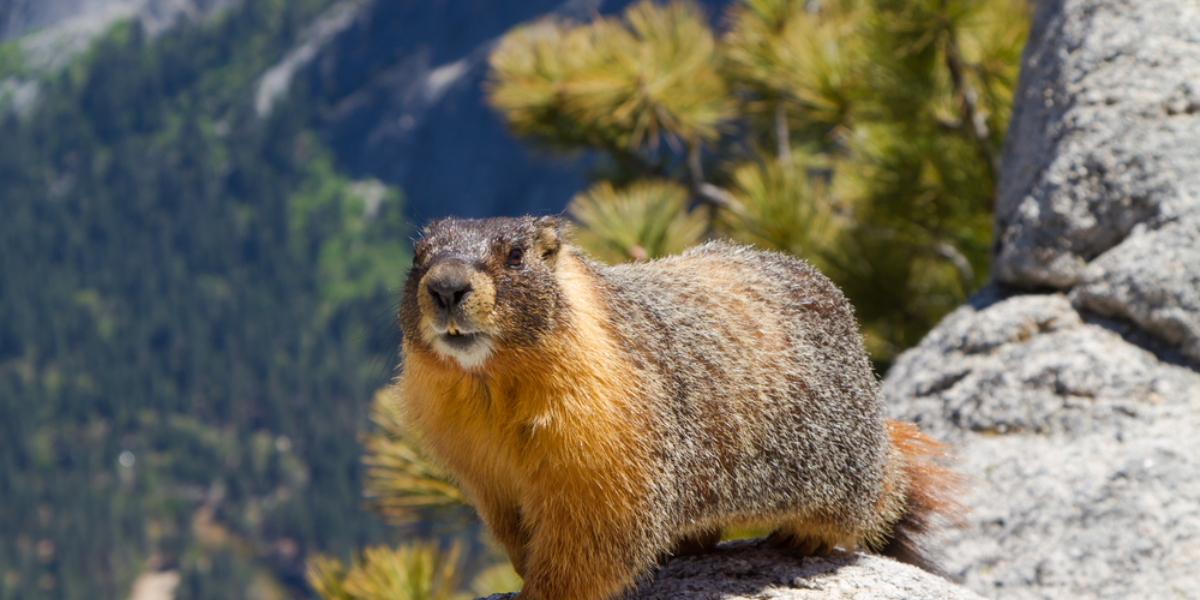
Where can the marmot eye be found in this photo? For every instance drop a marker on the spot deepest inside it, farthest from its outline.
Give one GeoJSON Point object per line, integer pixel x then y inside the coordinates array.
{"type": "Point", "coordinates": [515, 256]}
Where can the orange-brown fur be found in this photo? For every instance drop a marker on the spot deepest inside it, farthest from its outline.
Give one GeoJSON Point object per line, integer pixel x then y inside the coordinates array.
{"type": "Point", "coordinates": [577, 424]}
{"type": "Point", "coordinates": [929, 490]}
{"type": "Point", "coordinates": [591, 447]}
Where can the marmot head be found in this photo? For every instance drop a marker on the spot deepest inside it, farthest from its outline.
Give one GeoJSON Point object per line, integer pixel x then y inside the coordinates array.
{"type": "Point", "coordinates": [481, 286]}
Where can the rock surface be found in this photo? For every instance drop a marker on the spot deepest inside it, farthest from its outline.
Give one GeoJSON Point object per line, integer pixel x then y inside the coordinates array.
{"type": "Point", "coordinates": [1102, 165]}
{"type": "Point", "coordinates": [751, 570]}
{"type": "Point", "coordinates": [1103, 134]}
{"type": "Point", "coordinates": [1082, 448]}
{"type": "Point", "coordinates": [1069, 386]}
{"type": "Point", "coordinates": [1153, 280]}
{"type": "Point", "coordinates": [1028, 364]}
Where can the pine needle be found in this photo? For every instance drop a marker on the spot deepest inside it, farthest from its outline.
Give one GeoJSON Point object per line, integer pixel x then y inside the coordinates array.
{"type": "Point", "coordinates": [627, 82]}
{"type": "Point", "coordinates": [416, 571]}
{"type": "Point", "coordinates": [647, 219]}
{"type": "Point", "coordinates": [402, 485]}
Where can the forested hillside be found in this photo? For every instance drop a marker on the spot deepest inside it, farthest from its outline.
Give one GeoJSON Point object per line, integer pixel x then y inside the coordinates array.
{"type": "Point", "coordinates": [192, 312]}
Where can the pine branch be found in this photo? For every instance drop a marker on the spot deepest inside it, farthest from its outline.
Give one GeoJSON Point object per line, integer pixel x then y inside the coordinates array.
{"type": "Point", "coordinates": [704, 191]}
{"type": "Point", "coordinates": [633, 162]}
{"type": "Point", "coordinates": [645, 219]}
{"type": "Point", "coordinates": [974, 123]}
{"type": "Point", "coordinates": [965, 273]}
{"type": "Point", "coordinates": [716, 197]}
{"type": "Point", "coordinates": [781, 134]}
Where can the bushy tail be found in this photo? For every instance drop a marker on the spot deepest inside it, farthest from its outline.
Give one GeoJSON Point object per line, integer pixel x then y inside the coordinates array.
{"type": "Point", "coordinates": [929, 493]}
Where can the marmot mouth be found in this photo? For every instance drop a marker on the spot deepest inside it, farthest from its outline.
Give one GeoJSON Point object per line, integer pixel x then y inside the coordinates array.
{"type": "Point", "coordinates": [461, 341]}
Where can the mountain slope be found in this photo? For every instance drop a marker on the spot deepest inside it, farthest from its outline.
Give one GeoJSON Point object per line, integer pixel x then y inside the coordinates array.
{"type": "Point", "coordinates": [187, 302]}
{"type": "Point", "coordinates": [399, 97]}
{"type": "Point", "coordinates": [20, 17]}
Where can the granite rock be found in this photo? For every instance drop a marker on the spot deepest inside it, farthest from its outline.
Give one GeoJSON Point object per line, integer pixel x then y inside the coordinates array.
{"type": "Point", "coordinates": [1153, 280]}
{"type": "Point", "coordinates": [1068, 386]}
{"type": "Point", "coordinates": [1081, 449]}
{"type": "Point", "coordinates": [752, 570]}
{"type": "Point", "coordinates": [1030, 364]}
{"type": "Point", "coordinates": [1103, 136]}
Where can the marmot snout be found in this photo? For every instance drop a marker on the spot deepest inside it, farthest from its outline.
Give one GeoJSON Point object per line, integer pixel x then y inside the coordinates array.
{"type": "Point", "coordinates": [459, 299]}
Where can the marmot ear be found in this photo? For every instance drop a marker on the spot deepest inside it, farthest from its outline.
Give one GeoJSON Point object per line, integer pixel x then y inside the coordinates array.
{"type": "Point", "coordinates": [550, 233]}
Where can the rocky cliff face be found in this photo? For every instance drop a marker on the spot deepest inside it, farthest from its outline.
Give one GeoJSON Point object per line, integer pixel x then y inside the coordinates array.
{"type": "Point", "coordinates": [1070, 384]}
{"type": "Point", "coordinates": [51, 33]}
{"type": "Point", "coordinates": [401, 87]}
{"type": "Point", "coordinates": [54, 31]}
{"type": "Point", "coordinates": [1100, 192]}
{"type": "Point", "coordinates": [401, 90]}
{"type": "Point", "coordinates": [398, 82]}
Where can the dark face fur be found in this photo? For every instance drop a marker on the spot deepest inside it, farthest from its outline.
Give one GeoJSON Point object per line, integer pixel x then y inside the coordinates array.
{"type": "Point", "coordinates": [481, 286]}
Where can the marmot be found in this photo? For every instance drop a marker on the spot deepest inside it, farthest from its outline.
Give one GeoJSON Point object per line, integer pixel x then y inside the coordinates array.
{"type": "Point", "coordinates": [602, 417]}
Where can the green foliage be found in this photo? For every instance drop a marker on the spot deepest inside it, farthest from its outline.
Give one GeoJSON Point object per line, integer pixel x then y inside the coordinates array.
{"type": "Point", "coordinates": [414, 571]}
{"type": "Point", "coordinates": [196, 287]}
{"type": "Point", "coordinates": [344, 228]}
{"type": "Point", "coordinates": [418, 571]}
{"type": "Point", "coordinates": [784, 58]}
{"type": "Point", "coordinates": [403, 486]}
{"type": "Point", "coordinates": [646, 218]}
{"type": "Point", "coordinates": [860, 134]}
{"type": "Point", "coordinates": [780, 206]}
{"type": "Point", "coordinates": [615, 82]}
{"type": "Point", "coordinates": [12, 60]}
{"type": "Point", "coordinates": [922, 162]}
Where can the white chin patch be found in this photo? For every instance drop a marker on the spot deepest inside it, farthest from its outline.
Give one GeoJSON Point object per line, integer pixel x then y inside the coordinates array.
{"type": "Point", "coordinates": [469, 353]}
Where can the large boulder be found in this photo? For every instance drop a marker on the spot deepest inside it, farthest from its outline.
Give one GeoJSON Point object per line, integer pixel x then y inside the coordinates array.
{"type": "Point", "coordinates": [1069, 385]}
{"type": "Point", "coordinates": [755, 571]}
{"type": "Point", "coordinates": [1081, 447]}
{"type": "Point", "coordinates": [1101, 169]}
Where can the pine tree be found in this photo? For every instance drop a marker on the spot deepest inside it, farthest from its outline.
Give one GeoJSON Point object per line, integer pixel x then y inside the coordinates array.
{"type": "Point", "coordinates": [861, 135]}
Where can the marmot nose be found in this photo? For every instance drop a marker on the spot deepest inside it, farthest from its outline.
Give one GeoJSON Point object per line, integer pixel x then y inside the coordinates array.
{"type": "Point", "coordinates": [448, 292]}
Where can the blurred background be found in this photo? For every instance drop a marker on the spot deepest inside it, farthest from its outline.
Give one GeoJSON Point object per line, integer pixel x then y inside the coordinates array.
{"type": "Point", "coordinates": [206, 208]}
